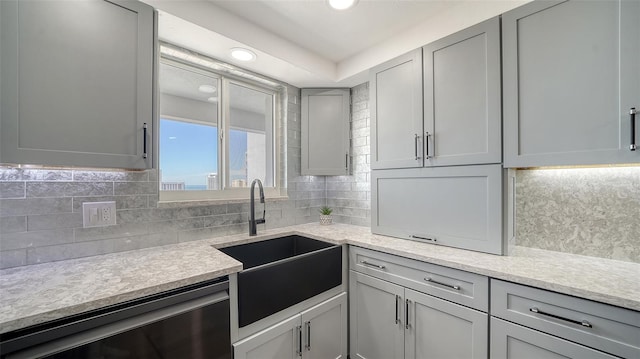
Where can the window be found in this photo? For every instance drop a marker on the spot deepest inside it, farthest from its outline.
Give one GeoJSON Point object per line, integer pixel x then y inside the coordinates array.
{"type": "Point", "coordinates": [217, 133]}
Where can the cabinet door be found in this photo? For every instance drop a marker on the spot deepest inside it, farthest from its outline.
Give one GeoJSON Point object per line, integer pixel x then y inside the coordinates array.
{"type": "Point", "coordinates": [571, 74]}
{"type": "Point", "coordinates": [325, 131]}
{"type": "Point", "coordinates": [281, 341]}
{"type": "Point", "coordinates": [396, 112]}
{"type": "Point", "coordinates": [77, 80]}
{"type": "Point", "coordinates": [440, 329]}
{"type": "Point", "coordinates": [512, 341]}
{"type": "Point", "coordinates": [325, 330]}
{"type": "Point", "coordinates": [458, 206]}
{"type": "Point", "coordinates": [377, 327]}
{"type": "Point", "coordinates": [462, 109]}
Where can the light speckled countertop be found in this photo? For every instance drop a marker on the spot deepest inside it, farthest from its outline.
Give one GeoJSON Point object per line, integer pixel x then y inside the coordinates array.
{"type": "Point", "coordinates": [39, 293]}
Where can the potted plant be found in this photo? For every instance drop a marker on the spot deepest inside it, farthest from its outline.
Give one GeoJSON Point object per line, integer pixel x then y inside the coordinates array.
{"type": "Point", "coordinates": [325, 215]}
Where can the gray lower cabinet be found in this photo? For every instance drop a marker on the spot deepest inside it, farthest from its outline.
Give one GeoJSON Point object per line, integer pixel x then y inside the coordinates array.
{"type": "Point", "coordinates": [319, 332]}
{"type": "Point", "coordinates": [395, 104]}
{"type": "Point", "coordinates": [550, 323]}
{"type": "Point", "coordinates": [376, 329]}
{"type": "Point", "coordinates": [513, 341]}
{"type": "Point", "coordinates": [325, 131]}
{"type": "Point", "coordinates": [571, 76]}
{"type": "Point", "coordinates": [468, 207]}
{"type": "Point", "coordinates": [462, 97]}
{"type": "Point", "coordinates": [77, 83]}
{"type": "Point", "coordinates": [391, 321]}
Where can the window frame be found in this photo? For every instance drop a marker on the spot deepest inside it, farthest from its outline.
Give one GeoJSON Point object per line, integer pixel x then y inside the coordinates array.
{"type": "Point", "coordinates": [278, 92]}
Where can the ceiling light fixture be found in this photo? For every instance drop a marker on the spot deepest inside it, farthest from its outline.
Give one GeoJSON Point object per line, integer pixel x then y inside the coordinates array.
{"type": "Point", "coordinates": [212, 99]}
{"type": "Point", "coordinates": [241, 54]}
{"type": "Point", "coordinates": [207, 88]}
{"type": "Point", "coordinates": [342, 4]}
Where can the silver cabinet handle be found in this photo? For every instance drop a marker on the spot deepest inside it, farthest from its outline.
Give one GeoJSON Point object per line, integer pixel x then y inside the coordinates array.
{"type": "Point", "coordinates": [299, 346]}
{"type": "Point", "coordinates": [583, 323]}
{"type": "Point", "coordinates": [144, 140]}
{"type": "Point", "coordinates": [424, 238]}
{"type": "Point", "coordinates": [397, 310]}
{"type": "Point", "coordinates": [456, 287]}
{"type": "Point", "coordinates": [373, 265]}
{"type": "Point", "coordinates": [426, 145]}
{"type": "Point", "coordinates": [406, 313]}
{"type": "Point", "coordinates": [308, 335]}
{"type": "Point", "coordinates": [346, 162]}
{"type": "Point", "coordinates": [415, 139]}
{"type": "Point", "coordinates": [632, 117]}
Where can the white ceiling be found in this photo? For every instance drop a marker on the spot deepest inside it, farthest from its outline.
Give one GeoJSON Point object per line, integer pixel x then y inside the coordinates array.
{"type": "Point", "coordinates": [306, 43]}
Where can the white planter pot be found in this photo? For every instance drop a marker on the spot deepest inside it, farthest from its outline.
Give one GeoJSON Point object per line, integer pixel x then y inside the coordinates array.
{"type": "Point", "coordinates": [325, 220]}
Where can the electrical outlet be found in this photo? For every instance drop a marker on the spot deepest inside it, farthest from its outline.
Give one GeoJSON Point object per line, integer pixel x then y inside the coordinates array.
{"type": "Point", "coordinates": [97, 214]}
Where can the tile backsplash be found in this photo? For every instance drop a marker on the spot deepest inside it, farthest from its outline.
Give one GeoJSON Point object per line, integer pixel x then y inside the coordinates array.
{"type": "Point", "coordinates": [593, 211]}
{"type": "Point", "coordinates": [589, 211]}
{"type": "Point", "coordinates": [41, 209]}
{"type": "Point", "coordinates": [349, 196]}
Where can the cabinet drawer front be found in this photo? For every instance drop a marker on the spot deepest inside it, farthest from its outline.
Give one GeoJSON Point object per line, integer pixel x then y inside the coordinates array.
{"type": "Point", "coordinates": [513, 341]}
{"type": "Point", "coordinates": [458, 207]}
{"type": "Point", "coordinates": [461, 287]}
{"type": "Point", "coordinates": [611, 329]}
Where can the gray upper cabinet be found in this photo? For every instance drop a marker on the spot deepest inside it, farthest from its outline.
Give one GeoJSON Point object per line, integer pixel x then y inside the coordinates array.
{"type": "Point", "coordinates": [571, 75]}
{"type": "Point", "coordinates": [462, 206]}
{"type": "Point", "coordinates": [462, 109]}
{"type": "Point", "coordinates": [325, 131]}
{"type": "Point", "coordinates": [395, 103]}
{"type": "Point", "coordinates": [77, 83]}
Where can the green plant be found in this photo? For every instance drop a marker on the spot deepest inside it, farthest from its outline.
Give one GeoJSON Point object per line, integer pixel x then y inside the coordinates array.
{"type": "Point", "coordinates": [325, 211]}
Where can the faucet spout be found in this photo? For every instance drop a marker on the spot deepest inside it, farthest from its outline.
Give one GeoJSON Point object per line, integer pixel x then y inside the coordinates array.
{"type": "Point", "coordinates": [253, 222]}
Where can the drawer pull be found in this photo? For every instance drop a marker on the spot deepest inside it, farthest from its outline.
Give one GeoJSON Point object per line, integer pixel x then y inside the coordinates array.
{"type": "Point", "coordinates": [456, 287]}
{"type": "Point", "coordinates": [584, 323]}
{"type": "Point", "coordinates": [373, 264]}
{"type": "Point", "coordinates": [424, 238]}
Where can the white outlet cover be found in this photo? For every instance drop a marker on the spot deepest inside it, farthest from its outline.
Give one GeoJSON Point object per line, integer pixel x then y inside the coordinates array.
{"type": "Point", "coordinates": [98, 214]}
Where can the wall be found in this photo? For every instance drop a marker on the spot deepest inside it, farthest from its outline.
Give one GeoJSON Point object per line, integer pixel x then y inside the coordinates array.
{"type": "Point", "coordinates": [349, 196]}
{"type": "Point", "coordinates": [41, 220]}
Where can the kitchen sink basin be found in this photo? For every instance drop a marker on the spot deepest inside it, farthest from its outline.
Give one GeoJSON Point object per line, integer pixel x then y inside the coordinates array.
{"type": "Point", "coordinates": [281, 272]}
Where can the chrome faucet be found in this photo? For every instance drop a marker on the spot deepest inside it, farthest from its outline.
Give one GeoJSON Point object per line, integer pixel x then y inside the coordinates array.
{"type": "Point", "coordinates": [253, 222]}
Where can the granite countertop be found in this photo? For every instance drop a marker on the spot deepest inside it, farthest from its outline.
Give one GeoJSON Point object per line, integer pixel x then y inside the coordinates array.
{"type": "Point", "coordinates": [43, 292]}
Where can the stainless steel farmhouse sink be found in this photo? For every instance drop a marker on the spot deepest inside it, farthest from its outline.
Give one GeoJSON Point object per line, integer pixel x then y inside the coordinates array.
{"type": "Point", "coordinates": [281, 272]}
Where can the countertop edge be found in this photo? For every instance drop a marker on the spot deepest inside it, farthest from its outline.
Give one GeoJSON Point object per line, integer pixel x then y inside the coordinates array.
{"type": "Point", "coordinates": [217, 264]}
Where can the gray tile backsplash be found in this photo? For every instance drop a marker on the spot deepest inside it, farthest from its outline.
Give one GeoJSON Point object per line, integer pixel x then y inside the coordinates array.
{"type": "Point", "coordinates": [349, 196]}
{"type": "Point", "coordinates": [41, 209]}
{"type": "Point", "coordinates": [585, 211]}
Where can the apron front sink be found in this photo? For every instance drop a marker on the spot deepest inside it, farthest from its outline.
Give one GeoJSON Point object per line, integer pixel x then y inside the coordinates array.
{"type": "Point", "coordinates": [282, 272]}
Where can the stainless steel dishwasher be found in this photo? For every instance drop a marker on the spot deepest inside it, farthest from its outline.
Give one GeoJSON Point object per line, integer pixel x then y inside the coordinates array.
{"type": "Point", "coordinates": [191, 322]}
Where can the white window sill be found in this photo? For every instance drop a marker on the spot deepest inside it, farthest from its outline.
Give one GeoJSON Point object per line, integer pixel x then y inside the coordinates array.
{"type": "Point", "coordinates": [211, 202]}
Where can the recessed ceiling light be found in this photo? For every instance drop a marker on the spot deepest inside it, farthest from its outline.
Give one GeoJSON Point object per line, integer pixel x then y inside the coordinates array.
{"type": "Point", "coordinates": [241, 54]}
{"type": "Point", "coordinates": [212, 99]}
{"type": "Point", "coordinates": [342, 4]}
{"type": "Point", "coordinates": [207, 88]}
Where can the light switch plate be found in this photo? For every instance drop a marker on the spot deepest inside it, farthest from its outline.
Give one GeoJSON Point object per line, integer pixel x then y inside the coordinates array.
{"type": "Point", "coordinates": [97, 214]}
